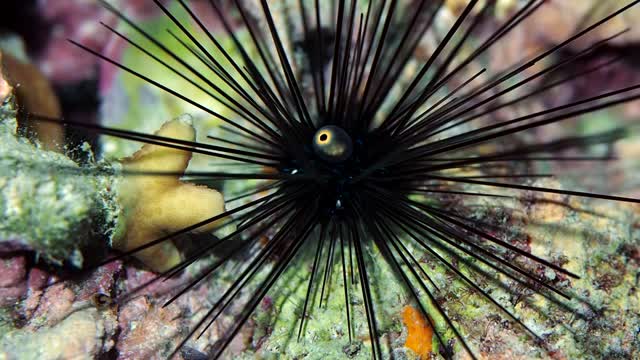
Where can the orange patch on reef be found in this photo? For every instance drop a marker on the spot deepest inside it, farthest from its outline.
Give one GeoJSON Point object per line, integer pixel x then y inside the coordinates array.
{"type": "Point", "coordinates": [419, 332]}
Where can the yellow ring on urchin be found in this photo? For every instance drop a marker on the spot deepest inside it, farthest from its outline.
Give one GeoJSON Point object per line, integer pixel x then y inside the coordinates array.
{"type": "Point", "coordinates": [331, 143]}
{"type": "Point", "coordinates": [323, 137]}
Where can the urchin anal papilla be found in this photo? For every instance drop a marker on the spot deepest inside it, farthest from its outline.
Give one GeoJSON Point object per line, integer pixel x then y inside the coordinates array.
{"type": "Point", "coordinates": [331, 143]}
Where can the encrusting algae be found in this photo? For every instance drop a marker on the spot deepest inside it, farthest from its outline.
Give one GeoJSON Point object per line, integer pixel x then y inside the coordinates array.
{"type": "Point", "coordinates": [419, 332]}
{"type": "Point", "coordinates": [48, 203]}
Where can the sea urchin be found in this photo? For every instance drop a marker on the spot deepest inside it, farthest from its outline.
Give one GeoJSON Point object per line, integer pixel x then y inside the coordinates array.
{"type": "Point", "coordinates": [359, 148]}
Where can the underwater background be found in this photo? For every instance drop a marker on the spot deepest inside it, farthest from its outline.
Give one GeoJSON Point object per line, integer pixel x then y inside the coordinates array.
{"type": "Point", "coordinates": [65, 207]}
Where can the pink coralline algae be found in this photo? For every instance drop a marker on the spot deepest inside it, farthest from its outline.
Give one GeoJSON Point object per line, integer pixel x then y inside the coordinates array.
{"type": "Point", "coordinates": [80, 20]}
{"type": "Point", "coordinates": [12, 275]}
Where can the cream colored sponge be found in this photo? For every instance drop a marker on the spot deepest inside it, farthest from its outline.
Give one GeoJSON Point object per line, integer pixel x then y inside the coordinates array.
{"type": "Point", "coordinates": [157, 205]}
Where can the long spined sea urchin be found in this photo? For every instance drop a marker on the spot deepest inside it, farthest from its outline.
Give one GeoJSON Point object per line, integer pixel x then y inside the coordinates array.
{"type": "Point", "coordinates": [355, 141]}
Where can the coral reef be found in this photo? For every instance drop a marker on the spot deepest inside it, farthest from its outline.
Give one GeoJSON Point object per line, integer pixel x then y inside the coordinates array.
{"type": "Point", "coordinates": [602, 323]}
{"type": "Point", "coordinates": [61, 320]}
{"type": "Point", "coordinates": [606, 258]}
{"type": "Point", "coordinates": [49, 203]}
{"type": "Point", "coordinates": [72, 209]}
{"type": "Point", "coordinates": [121, 311]}
{"type": "Point", "coordinates": [80, 20]}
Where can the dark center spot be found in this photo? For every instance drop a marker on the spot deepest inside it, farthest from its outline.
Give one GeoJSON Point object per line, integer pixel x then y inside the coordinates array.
{"type": "Point", "coordinates": [332, 144]}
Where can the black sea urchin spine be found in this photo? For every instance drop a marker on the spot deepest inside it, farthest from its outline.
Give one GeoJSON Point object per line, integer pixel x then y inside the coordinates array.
{"type": "Point", "coordinates": [347, 153]}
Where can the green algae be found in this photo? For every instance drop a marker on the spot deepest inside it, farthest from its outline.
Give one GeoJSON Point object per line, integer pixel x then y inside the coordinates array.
{"type": "Point", "coordinates": [48, 202]}
{"type": "Point", "coordinates": [591, 238]}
